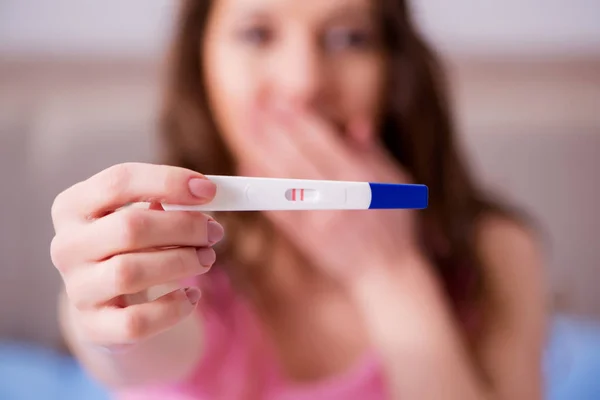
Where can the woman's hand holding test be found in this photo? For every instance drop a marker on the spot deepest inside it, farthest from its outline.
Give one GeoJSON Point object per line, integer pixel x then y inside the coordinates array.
{"type": "Point", "coordinates": [111, 257]}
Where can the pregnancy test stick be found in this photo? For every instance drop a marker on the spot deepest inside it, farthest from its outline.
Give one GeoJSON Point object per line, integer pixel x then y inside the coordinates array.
{"type": "Point", "coordinates": [236, 193]}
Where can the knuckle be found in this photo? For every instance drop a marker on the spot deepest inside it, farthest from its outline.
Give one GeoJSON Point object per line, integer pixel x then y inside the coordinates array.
{"type": "Point", "coordinates": [77, 301]}
{"type": "Point", "coordinates": [78, 289]}
{"type": "Point", "coordinates": [58, 252]}
{"type": "Point", "coordinates": [133, 223]}
{"type": "Point", "coordinates": [171, 180]}
{"type": "Point", "coordinates": [182, 262]}
{"type": "Point", "coordinates": [188, 224]}
{"type": "Point", "coordinates": [135, 325]}
{"type": "Point", "coordinates": [171, 309]}
{"type": "Point", "coordinates": [179, 263]}
{"type": "Point", "coordinates": [57, 207]}
{"type": "Point", "coordinates": [125, 274]}
{"type": "Point", "coordinates": [194, 224]}
{"type": "Point", "coordinates": [116, 179]}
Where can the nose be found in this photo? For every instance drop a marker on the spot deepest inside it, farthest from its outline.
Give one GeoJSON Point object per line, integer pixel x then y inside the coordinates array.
{"type": "Point", "coordinates": [296, 73]}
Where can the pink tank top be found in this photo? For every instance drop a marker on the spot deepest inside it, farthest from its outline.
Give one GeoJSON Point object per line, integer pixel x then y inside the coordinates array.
{"type": "Point", "coordinates": [239, 363]}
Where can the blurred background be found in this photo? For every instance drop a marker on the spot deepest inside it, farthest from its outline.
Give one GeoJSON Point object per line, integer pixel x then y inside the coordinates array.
{"type": "Point", "coordinates": [79, 91]}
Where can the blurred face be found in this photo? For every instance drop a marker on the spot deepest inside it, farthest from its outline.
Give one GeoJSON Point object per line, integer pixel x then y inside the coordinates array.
{"type": "Point", "coordinates": [321, 55]}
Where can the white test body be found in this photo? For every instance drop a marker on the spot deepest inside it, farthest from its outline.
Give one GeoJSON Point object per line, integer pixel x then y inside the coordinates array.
{"type": "Point", "coordinates": [262, 194]}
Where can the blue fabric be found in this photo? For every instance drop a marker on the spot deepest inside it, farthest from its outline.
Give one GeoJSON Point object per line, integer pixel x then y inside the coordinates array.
{"type": "Point", "coordinates": [572, 363]}
{"type": "Point", "coordinates": [572, 368]}
{"type": "Point", "coordinates": [30, 373]}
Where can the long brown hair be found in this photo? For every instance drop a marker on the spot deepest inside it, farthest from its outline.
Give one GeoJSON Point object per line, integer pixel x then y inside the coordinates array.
{"type": "Point", "coordinates": [417, 130]}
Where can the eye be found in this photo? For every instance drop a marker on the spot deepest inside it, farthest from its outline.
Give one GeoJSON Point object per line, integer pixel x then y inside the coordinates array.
{"type": "Point", "coordinates": [348, 38]}
{"type": "Point", "coordinates": [256, 35]}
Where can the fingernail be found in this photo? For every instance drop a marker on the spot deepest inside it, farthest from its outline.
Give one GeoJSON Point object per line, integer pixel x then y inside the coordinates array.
{"type": "Point", "coordinates": [215, 232]}
{"type": "Point", "coordinates": [193, 295]}
{"type": "Point", "coordinates": [207, 257]}
{"type": "Point", "coordinates": [202, 188]}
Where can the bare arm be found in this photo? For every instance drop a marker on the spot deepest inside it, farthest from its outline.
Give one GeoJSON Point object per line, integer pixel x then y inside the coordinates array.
{"type": "Point", "coordinates": [515, 311]}
{"type": "Point", "coordinates": [164, 358]}
{"type": "Point", "coordinates": [425, 356]}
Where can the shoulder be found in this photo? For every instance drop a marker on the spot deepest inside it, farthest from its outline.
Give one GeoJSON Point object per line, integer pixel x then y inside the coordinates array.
{"type": "Point", "coordinates": [501, 239]}
{"type": "Point", "coordinates": [512, 260]}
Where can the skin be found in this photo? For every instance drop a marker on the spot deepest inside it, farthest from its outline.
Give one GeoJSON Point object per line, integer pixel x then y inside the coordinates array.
{"type": "Point", "coordinates": [295, 89]}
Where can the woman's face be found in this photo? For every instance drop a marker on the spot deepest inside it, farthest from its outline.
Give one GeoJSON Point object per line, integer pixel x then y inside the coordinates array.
{"type": "Point", "coordinates": [321, 55]}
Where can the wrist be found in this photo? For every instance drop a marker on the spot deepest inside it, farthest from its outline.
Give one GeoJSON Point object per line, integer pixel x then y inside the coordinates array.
{"type": "Point", "coordinates": [383, 278]}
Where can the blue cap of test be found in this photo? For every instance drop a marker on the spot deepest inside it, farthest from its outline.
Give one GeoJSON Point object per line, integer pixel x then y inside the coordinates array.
{"type": "Point", "coordinates": [398, 196]}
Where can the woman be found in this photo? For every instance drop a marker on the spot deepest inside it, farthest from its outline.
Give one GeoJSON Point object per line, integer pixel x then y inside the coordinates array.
{"type": "Point", "coordinates": [445, 303]}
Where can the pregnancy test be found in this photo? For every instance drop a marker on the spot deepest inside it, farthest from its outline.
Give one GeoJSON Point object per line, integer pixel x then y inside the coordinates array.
{"type": "Point", "coordinates": [236, 193]}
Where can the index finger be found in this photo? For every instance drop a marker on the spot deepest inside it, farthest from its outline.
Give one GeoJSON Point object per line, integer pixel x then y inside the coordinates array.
{"type": "Point", "coordinates": [126, 183]}
{"type": "Point", "coordinates": [320, 141]}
